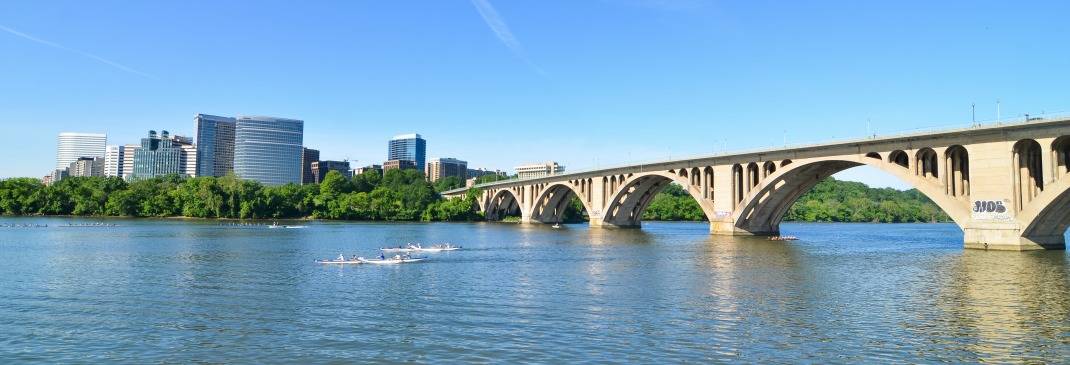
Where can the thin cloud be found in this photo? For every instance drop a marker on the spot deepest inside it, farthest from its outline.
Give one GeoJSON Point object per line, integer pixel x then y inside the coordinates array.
{"type": "Point", "coordinates": [68, 49]}
{"type": "Point", "coordinates": [501, 30]}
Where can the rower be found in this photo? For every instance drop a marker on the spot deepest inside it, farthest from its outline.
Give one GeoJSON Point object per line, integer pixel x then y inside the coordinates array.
{"type": "Point", "coordinates": [340, 258]}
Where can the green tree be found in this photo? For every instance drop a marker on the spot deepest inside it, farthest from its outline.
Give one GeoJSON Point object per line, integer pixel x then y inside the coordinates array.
{"type": "Point", "coordinates": [448, 183]}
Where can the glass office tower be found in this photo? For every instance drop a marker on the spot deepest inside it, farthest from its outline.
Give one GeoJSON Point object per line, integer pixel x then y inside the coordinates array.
{"type": "Point", "coordinates": [408, 147]}
{"type": "Point", "coordinates": [215, 145]}
{"type": "Point", "coordinates": [268, 150]}
{"type": "Point", "coordinates": [73, 145]}
{"type": "Point", "coordinates": [157, 156]}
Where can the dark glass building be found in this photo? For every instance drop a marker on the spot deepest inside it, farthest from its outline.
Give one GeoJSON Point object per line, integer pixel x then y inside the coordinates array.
{"type": "Point", "coordinates": [321, 168]}
{"type": "Point", "coordinates": [215, 145]}
{"type": "Point", "coordinates": [408, 147]}
{"type": "Point", "coordinates": [308, 157]}
{"type": "Point", "coordinates": [268, 150]}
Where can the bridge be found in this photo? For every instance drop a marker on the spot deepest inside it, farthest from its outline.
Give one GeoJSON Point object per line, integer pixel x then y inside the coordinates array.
{"type": "Point", "coordinates": [1005, 185]}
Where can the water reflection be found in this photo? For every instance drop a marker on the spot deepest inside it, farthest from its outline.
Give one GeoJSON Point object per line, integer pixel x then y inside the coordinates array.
{"type": "Point", "coordinates": [1012, 304]}
{"type": "Point", "coordinates": [167, 291]}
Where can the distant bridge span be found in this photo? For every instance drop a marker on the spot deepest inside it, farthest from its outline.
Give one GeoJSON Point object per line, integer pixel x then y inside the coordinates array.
{"type": "Point", "coordinates": [1005, 185]}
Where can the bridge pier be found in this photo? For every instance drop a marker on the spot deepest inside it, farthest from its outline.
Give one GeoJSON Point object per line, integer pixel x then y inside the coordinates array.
{"type": "Point", "coordinates": [728, 228]}
{"type": "Point", "coordinates": [598, 222]}
{"type": "Point", "coordinates": [1008, 237]}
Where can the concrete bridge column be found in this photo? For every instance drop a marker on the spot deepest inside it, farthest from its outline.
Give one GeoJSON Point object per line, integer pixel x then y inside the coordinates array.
{"type": "Point", "coordinates": [721, 222]}
{"type": "Point", "coordinates": [599, 192]}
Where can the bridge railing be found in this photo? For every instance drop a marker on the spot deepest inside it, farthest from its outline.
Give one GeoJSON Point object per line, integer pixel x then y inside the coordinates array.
{"type": "Point", "coordinates": [1021, 119]}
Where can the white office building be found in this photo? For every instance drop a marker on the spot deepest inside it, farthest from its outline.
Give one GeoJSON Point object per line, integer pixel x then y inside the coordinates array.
{"type": "Point", "coordinates": [536, 170]}
{"type": "Point", "coordinates": [73, 145]}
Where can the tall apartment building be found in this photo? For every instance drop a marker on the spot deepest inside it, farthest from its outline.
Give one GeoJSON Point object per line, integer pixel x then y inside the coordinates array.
{"type": "Point", "coordinates": [440, 168]}
{"type": "Point", "coordinates": [73, 145]}
{"type": "Point", "coordinates": [158, 155]}
{"type": "Point", "coordinates": [215, 145]}
{"type": "Point", "coordinates": [268, 149]}
{"type": "Point", "coordinates": [408, 147]}
{"type": "Point", "coordinates": [308, 157]}
{"type": "Point", "coordinates": [537, 170]}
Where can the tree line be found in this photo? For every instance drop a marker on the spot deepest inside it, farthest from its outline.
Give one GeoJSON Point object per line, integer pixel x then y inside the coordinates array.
{"type": "Point", "coordinates": [400, 195]}
{"type": "Point", "coordinates": [830, 200]}
{"type": "Point", "coordinates": [397, 195]}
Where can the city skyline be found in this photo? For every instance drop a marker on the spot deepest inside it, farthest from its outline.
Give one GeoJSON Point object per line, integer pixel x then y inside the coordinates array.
{"type": "Point", "coordinates": [694, 81]}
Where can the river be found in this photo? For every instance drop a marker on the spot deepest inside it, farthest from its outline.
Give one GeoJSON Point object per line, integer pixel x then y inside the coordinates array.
{"type": "Point", "coordinates": [197, 291]}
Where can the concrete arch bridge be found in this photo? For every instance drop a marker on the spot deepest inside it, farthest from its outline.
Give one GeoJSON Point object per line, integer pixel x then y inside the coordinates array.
{"type": "Point", "coordinates": [1006, 186]}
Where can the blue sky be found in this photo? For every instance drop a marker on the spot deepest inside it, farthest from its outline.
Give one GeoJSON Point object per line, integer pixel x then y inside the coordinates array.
{"type": "Point", "coordinates": [497, 83]}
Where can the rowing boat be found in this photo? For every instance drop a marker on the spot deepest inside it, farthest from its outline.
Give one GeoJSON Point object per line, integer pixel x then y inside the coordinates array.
{"type": "Point", "coordinates": [391, 261]}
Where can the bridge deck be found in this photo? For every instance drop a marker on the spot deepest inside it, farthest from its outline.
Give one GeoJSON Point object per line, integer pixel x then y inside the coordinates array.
{"type": "Point", "coordinates": [1056, 121]}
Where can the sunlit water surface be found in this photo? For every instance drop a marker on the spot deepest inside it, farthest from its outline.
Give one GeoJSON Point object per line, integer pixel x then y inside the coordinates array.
{"type": "Point", "coordinates": [196, 291]}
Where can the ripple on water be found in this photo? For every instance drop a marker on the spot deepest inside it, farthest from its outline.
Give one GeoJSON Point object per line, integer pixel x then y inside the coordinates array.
{"type": "Point", "coordinates": [170, 291]}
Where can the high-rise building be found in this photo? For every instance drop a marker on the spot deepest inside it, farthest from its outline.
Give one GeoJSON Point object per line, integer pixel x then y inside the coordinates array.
{"type": "Point", "coordinates": [537, 170]}
{"type": "Point", "coordinates": [308, 156]}
{"type": "Point", "coordinates": [157, 156]}
{"type": "Point", "coordinates": [321, 168]}
{"type": "Point", "coordinates": [113, 161]}
{"type": "Point", "coordinates": [73, 145]}
{"type": "Point", "coordinates": [398, 165]}
{"type": "Point", "coordinates": [128, 161]}
{"type": "Point", "coordinates": [188, 159]}
{"type": "Point", "coordinates": [439, 168]}
{"type": "Point", "coordinates": [215, 145]}
{"type": "Point", "coordinates": [268, 150]}
{"type": "Point", "coordinates": [86, 167]}
{"type": "Point", "coordinates": [409, 147]}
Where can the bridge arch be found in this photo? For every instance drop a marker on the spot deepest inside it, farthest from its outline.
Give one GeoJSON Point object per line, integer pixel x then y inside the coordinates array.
{"type": "Point", "coordinates": [550, 205]}
{"type": "Point", "coordinates": [502, 203]}
{"type": "Point", "coordinates": [1060, 150]}
{"type": "Point", "coordinates": [764, 208]}
{"type": "Point", "coordinates": [1044, 207]}
{"type": "Point", "coordinates": [626, 206]}
{"type": "Point", "coordinates": [957, 166]}
{"type": "Point", "coordinates": [926, 161]}
{"type": "Point", "coordinates": [899, 157]}
{"type": "Point", "coordinates": [1028, 172]}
